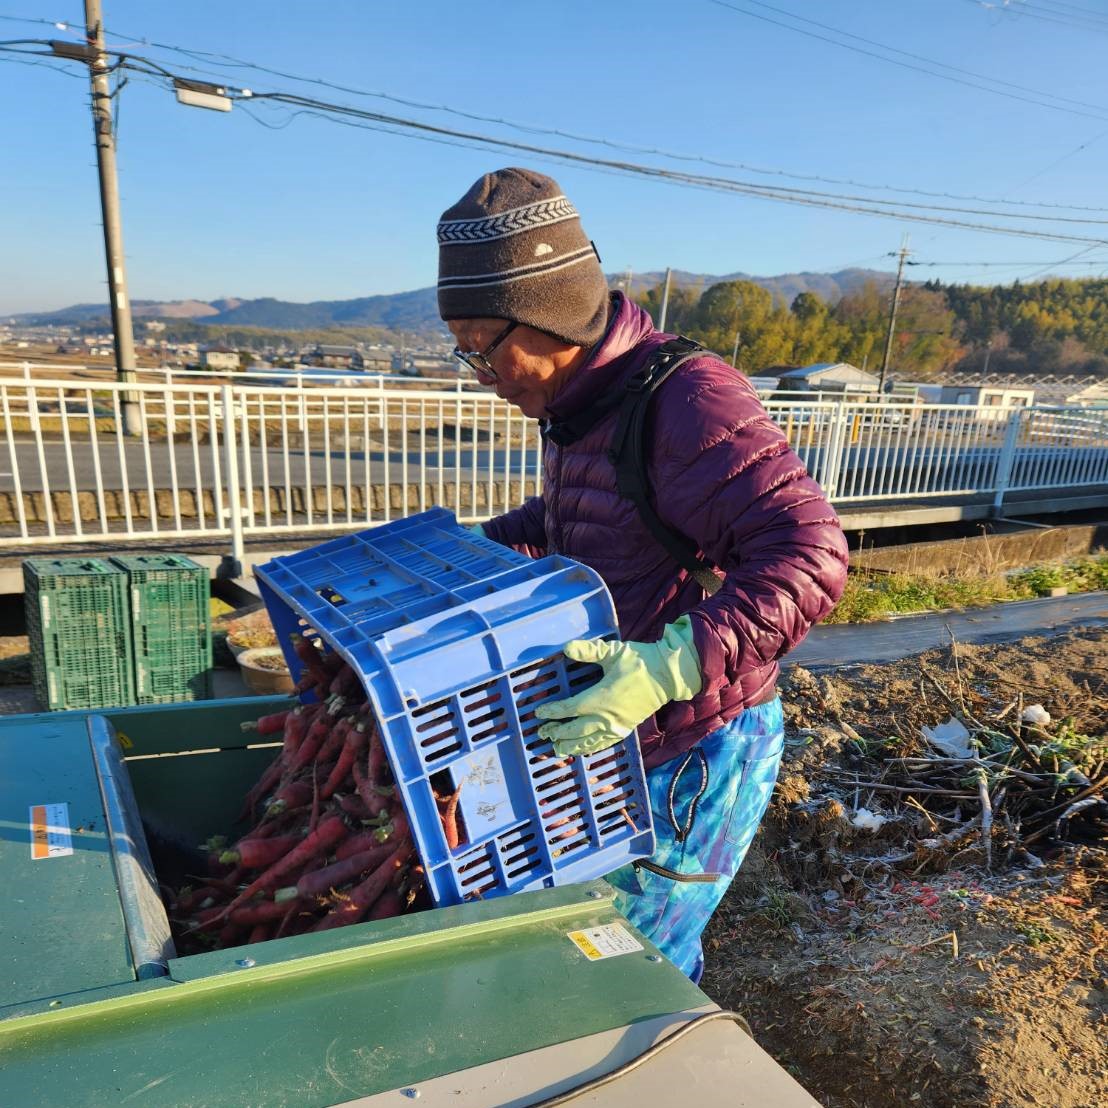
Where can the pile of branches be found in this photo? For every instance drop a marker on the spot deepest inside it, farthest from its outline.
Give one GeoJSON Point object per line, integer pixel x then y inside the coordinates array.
{"type": "Point", "coordinates": [1017, 790]}
{"type": "Point", "coordinates": [329, 843]}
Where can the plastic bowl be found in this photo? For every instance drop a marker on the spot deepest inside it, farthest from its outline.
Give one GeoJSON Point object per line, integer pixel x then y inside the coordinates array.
{"type": "Point", "coordinates": [260, 680]}
{"type": "Point", "coordinates": [238, 648]}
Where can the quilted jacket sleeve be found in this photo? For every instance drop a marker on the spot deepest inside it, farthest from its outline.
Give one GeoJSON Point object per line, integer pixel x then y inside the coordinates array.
{"type": "Point", "coordinates": [726, 477]}
{"type": "Point", "coordinates": [523, 528]}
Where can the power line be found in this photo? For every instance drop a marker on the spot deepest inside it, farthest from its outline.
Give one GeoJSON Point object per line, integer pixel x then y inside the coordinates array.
{"type": "Point", "coordinates": [781, 192]}
{"type": "Point", "coordinates": [931, 61]}
{"type": "Point", "coordinates": [1017, 265]}
{"type": "Point", "coordinates": [1065, 261]}
{"type": "Point", "coordinates": [227, 61]}
{"type": "Point", "coordinates": [696, 180]}
{"type": "Point", "coordinates": [414, 128]}
{"type": "Point", "coordinates": [804, 197]}
{"type": "Point", "coordinates": [1024, 12]}
{"type": "Point", "coordinates": [1099, 111]}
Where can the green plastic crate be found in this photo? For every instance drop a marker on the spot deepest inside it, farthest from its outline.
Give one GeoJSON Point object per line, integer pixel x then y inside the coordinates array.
{"type": "Point", "coordinates": [170, 627]}
{"type": "Point", "coordinates": [78, 624]}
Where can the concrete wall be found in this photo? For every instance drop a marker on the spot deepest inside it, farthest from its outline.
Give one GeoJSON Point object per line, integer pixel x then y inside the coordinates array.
{"type": "Point", "coordinates": [461, 497]}
{"type": "Point", "coordinates": [986, 553]}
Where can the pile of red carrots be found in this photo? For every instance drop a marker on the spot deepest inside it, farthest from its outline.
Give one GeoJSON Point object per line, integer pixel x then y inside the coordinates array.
{"type": "Point", "coordinates": [329, 843]}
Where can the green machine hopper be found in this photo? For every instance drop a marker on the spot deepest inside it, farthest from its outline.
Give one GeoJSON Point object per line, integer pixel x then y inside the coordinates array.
{"type": "Point", "coordinates": [515, 1001]}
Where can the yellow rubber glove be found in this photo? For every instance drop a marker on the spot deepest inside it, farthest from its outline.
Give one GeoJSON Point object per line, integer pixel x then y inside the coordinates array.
{"type": "Point", "coordinates": [639, 678]}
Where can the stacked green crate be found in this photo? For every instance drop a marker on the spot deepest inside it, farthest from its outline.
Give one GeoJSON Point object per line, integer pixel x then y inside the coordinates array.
{"type": "Point", "coordinates": [170, 627]}
{"type": "Point", "coordinates": [79, 627]}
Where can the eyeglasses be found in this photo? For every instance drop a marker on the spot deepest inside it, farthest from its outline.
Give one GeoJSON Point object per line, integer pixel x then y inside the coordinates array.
{"type": "Point", "coordinates": [478, 360]}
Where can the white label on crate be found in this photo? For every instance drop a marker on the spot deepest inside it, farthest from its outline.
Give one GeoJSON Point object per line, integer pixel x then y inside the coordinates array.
{"type": "Point", "coordinates": [604, 942]}
{"type": "Point", "coordinates": [51, 836]}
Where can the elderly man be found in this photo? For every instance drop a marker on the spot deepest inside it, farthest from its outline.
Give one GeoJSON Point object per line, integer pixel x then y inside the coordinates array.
{"type": "Point", "coordinates": [719, 550]}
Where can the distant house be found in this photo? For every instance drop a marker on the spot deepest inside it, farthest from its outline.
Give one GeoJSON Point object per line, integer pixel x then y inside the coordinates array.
{"type": "Point", "coordinates": [336, 357]}
{"type": "Point", "coordinates": [1095, 396]}
{"type": "Point", "coordinates": [763, 386]}
{"type": "Point", "coordinates": [987, 396]}
{"type": "Point", "coordinates": [827, 377]}
{"type": "Point", "coordinates": [218, 357]}
{"type": "Point", "coordinates": [377, 361]}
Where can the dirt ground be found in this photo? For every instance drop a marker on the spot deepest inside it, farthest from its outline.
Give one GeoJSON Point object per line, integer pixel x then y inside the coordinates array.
{"type": "Point", "coordinates": [891, 966]}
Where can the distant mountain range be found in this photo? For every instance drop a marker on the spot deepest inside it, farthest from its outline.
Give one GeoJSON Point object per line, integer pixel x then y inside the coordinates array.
{"type": "Point", "coordinates": [417, 311]}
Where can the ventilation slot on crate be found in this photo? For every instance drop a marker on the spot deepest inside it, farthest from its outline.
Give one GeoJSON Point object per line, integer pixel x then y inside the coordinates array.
{"type": "Point", "coordinates": [476, 873]}
{"type": "Point", "coordinates": [519, 851]}
{"type": "Point", "coordinates": [579, 675]}
{"type": "Point", "coordinates": [437, 731]}
{"type": "Point", "coordinates": [485, 713]}
{"type": "Point", "coordinates": [613, 790]}
{"type": "Point", "coordinates": [530, 687]}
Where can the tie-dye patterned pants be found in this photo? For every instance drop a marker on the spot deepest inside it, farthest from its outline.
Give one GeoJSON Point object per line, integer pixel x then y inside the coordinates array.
{"type": "Point", "coordinates": [707, 806]}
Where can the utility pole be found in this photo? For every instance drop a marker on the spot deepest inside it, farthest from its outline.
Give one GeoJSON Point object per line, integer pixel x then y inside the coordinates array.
{"type": "Point", "coordinates": [902, 254]}
{"type": "Point", "coordinates": [735, 352]}
{"type": "Point", "coordinates": [122, 327]}
{"type": "Point", "coordinates": [665, 301]}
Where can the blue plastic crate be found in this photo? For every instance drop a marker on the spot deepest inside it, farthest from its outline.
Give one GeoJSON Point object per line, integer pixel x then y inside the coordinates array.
{"type": "Point", "coordinates": [457, 640]}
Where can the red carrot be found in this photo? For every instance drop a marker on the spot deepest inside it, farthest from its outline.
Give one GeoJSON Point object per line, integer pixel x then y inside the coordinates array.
{"type": "Point", "coordinates": [264, 783]}
{"type": "Point", "coordinates": [450, 819]}
{"type": "Point", "coordinates": [296, 728]}
{"type": "Point", "coordinates": [255, 853]}
{"type": "Point", "coordinates": [268, 725]}
{"type": "Point", "coordinates": [345, 682]}
{"type": "Point", "coordinates": [264, 911]}
{"type": "Point", "coordinates": [353, 806]}
{"type": "Point", "coordinates": [334, 742]}
{"type": "Point", "coordinates": [389, 904]}
{"type": "Point", "coordinates": [376, 759]}
{"type": "Point", "coordinates": [364, 840]}
{"type": "Point", "coordinates": [259, 934]}
{"type": "Point", "coordinates": [310, 657]}
{"type": "Point", "coordinates": [207, 916]}
{"type": "Point", "coordinates": [229, 935]}
{"type": "Point", "coordinates": [362, 897]}
{"type": "Point", "coordinates": [315, 800]}
{"type": "Point", "coordinates": [313, 740]}
{"type": "Point", "coordinates": [342, 871]}
{"type": "Point", "coordinates": [376, 802]}
{"type": "Point", "coordinates": [295, 794]}
{"type": "Point", "coordinates": [287, 918]}
{"type": "Point", "coordinates": [330, 832]}
{"type": "Point", "coordinates": [398, 828]}
{"type": "Point", "coordinates": [355, 739]}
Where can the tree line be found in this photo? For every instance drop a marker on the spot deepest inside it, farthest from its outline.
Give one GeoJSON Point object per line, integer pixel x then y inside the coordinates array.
{"type": "Point", "coordinates": [1052, 326]}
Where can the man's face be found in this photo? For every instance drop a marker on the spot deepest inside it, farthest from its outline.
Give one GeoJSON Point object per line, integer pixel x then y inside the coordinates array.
{"type": "Point", "coordinates": [530, 366]}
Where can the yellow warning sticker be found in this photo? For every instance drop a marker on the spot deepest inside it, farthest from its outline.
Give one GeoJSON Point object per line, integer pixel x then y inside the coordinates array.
{"type": "Point", "coordinates": [51, 834]}
{"type": "Point", "coordinates": [609, 941]}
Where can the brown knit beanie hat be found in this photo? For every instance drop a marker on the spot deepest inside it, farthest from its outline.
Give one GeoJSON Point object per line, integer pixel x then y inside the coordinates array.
{"type": "Point", "coordinates": [513, 248]}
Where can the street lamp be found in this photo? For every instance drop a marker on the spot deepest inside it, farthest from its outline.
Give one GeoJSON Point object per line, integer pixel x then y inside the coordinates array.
{"type": "Point", "coordinates": [201, 94]}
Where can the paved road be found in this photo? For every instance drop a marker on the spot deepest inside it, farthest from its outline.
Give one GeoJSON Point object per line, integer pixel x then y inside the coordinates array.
{"type": "Point", "coordinates": [57, 472]}
{"type": "Point", "coordinates": [836, 645]}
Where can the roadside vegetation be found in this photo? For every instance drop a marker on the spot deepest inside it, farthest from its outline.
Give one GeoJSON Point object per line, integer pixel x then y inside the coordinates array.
{"type": "Point", "coordinates": [873, 595]}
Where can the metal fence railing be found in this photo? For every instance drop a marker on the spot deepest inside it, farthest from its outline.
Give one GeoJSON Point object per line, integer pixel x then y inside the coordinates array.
{"type": "Point", "coordinates": [235, 460]}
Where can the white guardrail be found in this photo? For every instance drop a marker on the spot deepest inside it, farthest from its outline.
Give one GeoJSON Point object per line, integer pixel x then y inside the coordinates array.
{"type": "Point", "coordinates": [239, 460]}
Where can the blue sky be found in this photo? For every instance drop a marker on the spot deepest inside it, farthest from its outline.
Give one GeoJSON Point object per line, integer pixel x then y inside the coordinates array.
{"type": "Point", "coordinates": [218, 205]}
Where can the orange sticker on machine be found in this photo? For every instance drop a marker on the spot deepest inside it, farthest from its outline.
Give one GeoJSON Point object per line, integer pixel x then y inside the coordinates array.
{"type": "Point", "coordinates": [51, 833]}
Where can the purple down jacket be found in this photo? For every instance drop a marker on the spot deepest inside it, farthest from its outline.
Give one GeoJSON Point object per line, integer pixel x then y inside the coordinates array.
{"type": "Point", "coordinates": [723, 475]}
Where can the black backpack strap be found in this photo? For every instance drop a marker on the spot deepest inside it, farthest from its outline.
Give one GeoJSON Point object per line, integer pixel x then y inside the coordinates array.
{"type": "Point", "coordinates": [629, 458]}
{"type": "Point", "coordinates": [567, 431]}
